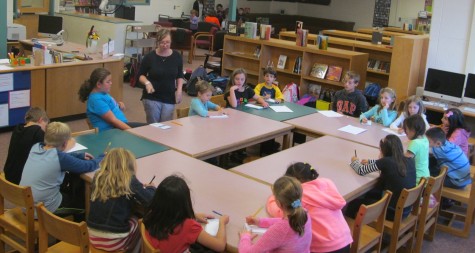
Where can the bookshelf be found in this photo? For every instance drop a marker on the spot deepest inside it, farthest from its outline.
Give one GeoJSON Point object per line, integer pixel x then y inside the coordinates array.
{"type": "Point", "coordinates": [85, 6]}
{"type": "Point", "coordinates": [239, 53]}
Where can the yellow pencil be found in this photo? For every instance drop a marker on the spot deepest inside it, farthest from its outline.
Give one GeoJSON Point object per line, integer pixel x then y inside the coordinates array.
{"type": "Point", "coordinates": [257, 212]}
{"type": "Point", "coordinates": [107, 148]}
{"type": "Point", "coordinates": [177, 123]}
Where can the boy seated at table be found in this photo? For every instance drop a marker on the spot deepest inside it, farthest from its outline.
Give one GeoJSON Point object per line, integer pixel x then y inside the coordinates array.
{"type": "Point", "coordinates": [448, 154]}
{"type": "Point", "coordinates": [350, 101]}
{"type": "Point", "coordinates": [268, 89]}
{"type": "Point", "coordinates": [47, 165]}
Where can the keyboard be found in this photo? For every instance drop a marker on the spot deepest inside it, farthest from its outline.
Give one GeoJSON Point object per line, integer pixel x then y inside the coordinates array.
{"type": "Point", "coordinates": [429, 103]}
{"type": "Point", "coordinates": [469, 109]}
{"type": "Point", "coordinates": [435, 104]}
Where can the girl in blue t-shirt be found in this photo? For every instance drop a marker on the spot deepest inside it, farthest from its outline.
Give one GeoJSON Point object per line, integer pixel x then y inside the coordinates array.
{"type": "Point", "coordinates": [384, 112]}
{"type": "Point", "coordinates": [201, 104]}
{"type": "Point", "coordinates": [418, 148]}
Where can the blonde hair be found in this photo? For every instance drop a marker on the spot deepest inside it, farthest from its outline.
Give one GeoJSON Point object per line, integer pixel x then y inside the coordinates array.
{"type": "Point", "coordinates": [352, 75]}
{"type": "Point", "coordinates": [203, 86]}
{"type": "Point", "coordinates": [34, 114]}
{"type": "Point", "coordinates": [288, 192]}
{"type": "Point", "coordinates": [235, 73]}
{"type": "Point", "coordinates": [418, 101]}
{"type": "Point", "coordinates": [393, 96]}
{"type": "Point", "coordinates": [112, 180]}
{"type": "Point", "coordinates": [57, 133]}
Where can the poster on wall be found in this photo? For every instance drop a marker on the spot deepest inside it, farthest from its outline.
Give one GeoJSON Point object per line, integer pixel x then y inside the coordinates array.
{"type": "Point", "coordinates": [18, 99]}
{"type": "Point", "coordinates": [6, 82]}
{"type": "Point", "coordinates": [3, 115]}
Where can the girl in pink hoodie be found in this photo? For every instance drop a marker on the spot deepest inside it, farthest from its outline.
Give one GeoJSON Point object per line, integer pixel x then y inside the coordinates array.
{"type": "Point", "coordinates": [453, 123]}
{"type": "Point", "coordinates": [330, 232]}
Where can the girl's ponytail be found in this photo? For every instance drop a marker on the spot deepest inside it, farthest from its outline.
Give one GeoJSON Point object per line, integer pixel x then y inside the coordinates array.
{"type": "Point", "coordinates": [288, 192]}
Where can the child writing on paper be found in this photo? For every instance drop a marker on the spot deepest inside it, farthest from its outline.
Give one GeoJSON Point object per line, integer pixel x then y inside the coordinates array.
{"type": "Point", "coordinates": [172, 225]}
{"type": "Point", "coordinates": [448, 154]}
{"type": "Point", "coordinates": [397, 172]}
{"type": "Point", "coordinates": [384, 112]}
{"type": "Point", "coordinates": [268, 89]}
{"type": "Point", "coordinates": [350, 101]}
{"type": "Point", "coordinates": [201, 104]}
{"type": "Point", "coordinates": [292, 233]}
{"type": "Point", "coordinates": [115, 189]}
{"type": "Point", "coordinates": [24, 136]}
{"type": "Point", "coordinates": [418, 148]}
{"type": "Point", "coordinates": [412, 106]}
{"type": "Point", "coordinates": [453, 124]}
{"type": "Point", "coordinates": [330, 231]}
{"type": "Point", "coordinates": [237, 92]}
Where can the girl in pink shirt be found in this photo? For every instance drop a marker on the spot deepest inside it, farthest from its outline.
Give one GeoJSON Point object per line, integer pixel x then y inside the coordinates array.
{"type": "Point", "coordinates": [290, 234]}
{"type": "Point", "coordinates": [330, 231]}
{"type": "Point", "coordinates": [453, 123]}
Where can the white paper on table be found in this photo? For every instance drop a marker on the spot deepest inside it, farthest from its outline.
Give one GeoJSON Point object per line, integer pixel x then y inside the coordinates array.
{"type": "Point", "coordinates": [164, 127]}
{"type": "Point", "coordinates": [212, 227]}
{"type": "Point", "coordinates": [224, 116]}
{"type": "Point", "coordinates": [254, 106]}
{"type": "Point", "coordinates": [280, 108]}
{"type": "Point", "coordinates": [393, 131]}
{"type": "Point", "coordinates": [255, 229]}
{"type": "Point", "coordinates": [330, 114]}
{"type": "Point", "coordinates": [157, 124]}
{"type": "Point", "coordinates": [77, 147]}
{"type": "Point", "coordinates": [270, 100]}
{"type": "Point", "coordinates": [4, 61]}
{"type": "Point", "coordinates": [352, 129]}
{"type": "Point", "coordinates": [20, 98]}
{"type": "Point", "coordinates": [4, 67]}
{"type": "Point", "coordinates": [6, 81]}
{"type": "Point", "coordinates": [4, 115]}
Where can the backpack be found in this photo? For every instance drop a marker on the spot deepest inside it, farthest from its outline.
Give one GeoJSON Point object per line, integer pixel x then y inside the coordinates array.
{"type": "Point", "coordinates": [197, 74]}
{"type": "Point", "coordinates": [291, 92]}
{"type": "Point", "coordinates": [371, 92]}
{"type": "Point", "coordinates": [219, 85]}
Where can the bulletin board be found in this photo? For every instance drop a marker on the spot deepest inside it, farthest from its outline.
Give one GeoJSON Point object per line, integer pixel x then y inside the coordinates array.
{"type": "Point", "coordinates": [15, 97]}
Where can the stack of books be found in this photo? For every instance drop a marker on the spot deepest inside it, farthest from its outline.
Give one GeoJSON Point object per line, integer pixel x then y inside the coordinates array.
{"type": "Point", "coordinates": [379, 65]}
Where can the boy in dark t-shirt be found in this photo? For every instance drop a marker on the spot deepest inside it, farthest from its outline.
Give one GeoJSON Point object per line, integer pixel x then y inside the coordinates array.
{"type": "Point", "coordinates": [350, 101]}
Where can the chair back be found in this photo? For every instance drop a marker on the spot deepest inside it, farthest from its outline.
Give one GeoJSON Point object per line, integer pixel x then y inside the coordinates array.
{"type": "Point", "coordinates": [17, 221]}
{"type": "Point", "coordinates": [146, 246]}
{"type": "Point", "coordinates": [219, 100]}
{"type": "Point", "coordinates": [163, 18]}
{"type": "Point", "coordinates": [182, 112]}
{"type": "Point", "coordinates": [64, 230]}
{"type": "Point", "coordinates": [205, 26]}
{"type": "Point", "coordinates": [370, 213]}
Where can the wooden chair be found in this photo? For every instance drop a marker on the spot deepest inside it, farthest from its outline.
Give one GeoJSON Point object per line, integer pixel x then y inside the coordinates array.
{"type": "Point", "coordinates": [182, 112]}
{"type": "Point", "coordinates": [463, 212]}
{"type": "Point", "coordinates": [367, 237]}
{"type": "Point", "coordinates": [428, 215]}
{"type": "Point", "coordinates": [219, 100]}
{"type": "Point", "coordinates": [146, 246]}
{"type": "Point", "coordinates": [89, 131]}
{"type": "Point", "coordinates": [204, 39]}
{"type": "Point", "coordinates": [73, 236]}
{"type": "Point", "coordinates": [17, 223]}
{"type": "Point", "coordinates": [402, 231]}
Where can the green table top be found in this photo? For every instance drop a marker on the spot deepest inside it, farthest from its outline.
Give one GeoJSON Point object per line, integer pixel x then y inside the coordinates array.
{"type": "Point", "coordinates": [297, 111]}
{"type": "Point", "coordinates": [140, 147]}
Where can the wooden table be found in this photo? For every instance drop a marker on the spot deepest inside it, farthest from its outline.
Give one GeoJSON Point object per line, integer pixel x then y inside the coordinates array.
{"type": "Point", "coordinates": [297, 111]}
{"type": "Point", "coordinates": [330, 156]}
{"type": "Point", "coordinates": [204, 138]}
{"type": "Point", "coordinates": [317, 125]}
{"type": "Point", "coordinates": [212, 188]}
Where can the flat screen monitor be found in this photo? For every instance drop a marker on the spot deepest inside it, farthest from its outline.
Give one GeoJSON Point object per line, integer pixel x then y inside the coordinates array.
{"type": "Point", "coordinates": [444, 85]}
{"type": "Point", "coordinates": [469, 95]}
{"type": "Point", "coordinates": [49, 25]}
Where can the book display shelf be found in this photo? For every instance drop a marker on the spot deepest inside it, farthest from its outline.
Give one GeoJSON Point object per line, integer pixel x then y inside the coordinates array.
{"type": "Point", "coordinates": [239, 53]}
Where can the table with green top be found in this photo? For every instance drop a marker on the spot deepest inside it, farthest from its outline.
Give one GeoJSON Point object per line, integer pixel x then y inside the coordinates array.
{"type": "Point", "coordinates": [140, 147]}
{"type": "Point", "coordinates": [297, 111]}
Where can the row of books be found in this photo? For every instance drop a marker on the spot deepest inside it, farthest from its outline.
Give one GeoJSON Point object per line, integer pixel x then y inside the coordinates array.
{"type": "Point", "coordinates": [323, 71]}
{"type": "Point", "coordinates": [297, 64]}
{"type": "Point", "coordinates": [378, 65]}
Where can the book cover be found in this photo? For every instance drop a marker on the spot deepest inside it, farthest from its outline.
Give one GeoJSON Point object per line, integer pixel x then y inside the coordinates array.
{"type": "Point", "coordinates": [319, 70]}
{"type": "Point", "coordinates": [298, 25]}
{"type": "Point", "coordinates": [250, 30]}
{"type": "Point", "coordinates": [334, 73]}
{"type": "Point", "coordinates": [257, 52]}
{"type": "Point", "coordinates": [233, 28]}
{"type": "Point", "coordinates": [322, 42]}
{"type": "Point", "coordinates": [281, 62]}
{"type": "Point", "coordinates": [298, 65]}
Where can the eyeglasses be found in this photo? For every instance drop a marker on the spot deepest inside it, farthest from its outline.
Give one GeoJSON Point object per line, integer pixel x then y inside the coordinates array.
{"type": "Point", "coordinates": [164, 42]}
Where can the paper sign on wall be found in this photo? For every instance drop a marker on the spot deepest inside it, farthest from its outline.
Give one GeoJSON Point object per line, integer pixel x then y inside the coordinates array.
{"type": "Point", "coordinates": [3, 115]}
{"type": "Point", "coordinates": [108, 49]}
{"type": "Point", "coordinates": [6, 82]}
{"type": "Point", "coordinates": [20, 98]}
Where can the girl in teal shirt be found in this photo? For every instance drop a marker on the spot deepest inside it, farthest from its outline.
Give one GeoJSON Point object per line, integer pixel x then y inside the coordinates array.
{"type": "Point", "coordinates": [418, 147]}
{"type": "Point", "coordinates": [384, 112]}
{"type": "Point", "coordinates": [201, 104]}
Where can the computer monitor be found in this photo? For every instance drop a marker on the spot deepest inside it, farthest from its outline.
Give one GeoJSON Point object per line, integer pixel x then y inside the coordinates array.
{"type": "Point", "coordinates": [444, 85]}
{"type": "Point", "coordinates": [469, 95]}
{"type": "Point", "coordinates": [49, 26]}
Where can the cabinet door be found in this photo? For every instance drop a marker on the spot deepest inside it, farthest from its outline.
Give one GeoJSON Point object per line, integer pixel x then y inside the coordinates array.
{"type": "Point", "coordinates": [33, 6]}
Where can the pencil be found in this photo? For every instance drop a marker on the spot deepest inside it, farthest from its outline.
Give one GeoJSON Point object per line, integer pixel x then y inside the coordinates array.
{"type": "Point", "coordinates": [151, 181]}
{"type": "Point", "coordinates": [257, 212]}
{"type": "Point", "coordinates": [355, 153]}
{"type": "Point", "coordinates": [218, 213]}
{"type": "Point", "coordinates": [107, 148]}
{"type": "Point", "coordinates": [176, 123]}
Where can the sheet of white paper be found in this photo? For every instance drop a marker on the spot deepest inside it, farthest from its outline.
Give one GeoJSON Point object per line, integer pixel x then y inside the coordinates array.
{"type": "Point", "coordinates": [3, 114]}
{"type": "Point", "coordinates": [6, 81]}
{"type": "Point", "coordinates": [331, 114]}
{"type": "Point", "coordinates": [77, 147]}
{"type": "Point", "coordinates": [255, 229]}
{"type": "Point", "coordinates": [4, 61]}
{"type": "Point", "coordinates": [111, 47]}
{"type": "Point", "coordinates": [254, 106]}
{"type": "Point", "coordinates": [212, 227]}
{"type": "Point", "coordinates": [280, 108]}
{"type": "Point", "coordinates": [165, 127]}
{"type": "Point", "coordinates": [4, 67]}
{"type": "Point", "coordinates": [157, 124]}
{"type": "Point", "coordinates": [20, 98]}
{"type": "Point", "coordinates": [393, 131]}
{"type": "Point", "coordinates": [224, 116]}
{"type": "Point", "coordinates": [352, 129]}
{"type": "Point", "coordinates": [270, 100]}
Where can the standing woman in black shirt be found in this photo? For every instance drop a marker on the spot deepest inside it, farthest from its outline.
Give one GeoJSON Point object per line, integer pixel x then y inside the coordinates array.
{"type": "Point", "coordinates": [161, 75]}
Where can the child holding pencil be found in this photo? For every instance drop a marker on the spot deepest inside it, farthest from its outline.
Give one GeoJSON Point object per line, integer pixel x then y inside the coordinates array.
{"type": "Point", "coordinates": [382, 113]}
{"type": "Point", "coordinates": [111, 223]}
{"type": "Point", "coordinates": [268, 89]}
{"type": "Point", "coordinates": [201, 104]}
{"type": "Point", "coordinates": [292, 233]}
{"type": "Point", "coordinates": [172, 225]}
{"type": "Point", "coordinates": [237, 92]}
{"type": "Point", "coordinates": [330, 231]}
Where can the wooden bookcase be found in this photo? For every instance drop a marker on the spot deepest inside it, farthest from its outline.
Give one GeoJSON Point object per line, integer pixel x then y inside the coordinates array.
{"type": "Point", "coordinates": [239, 53]}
